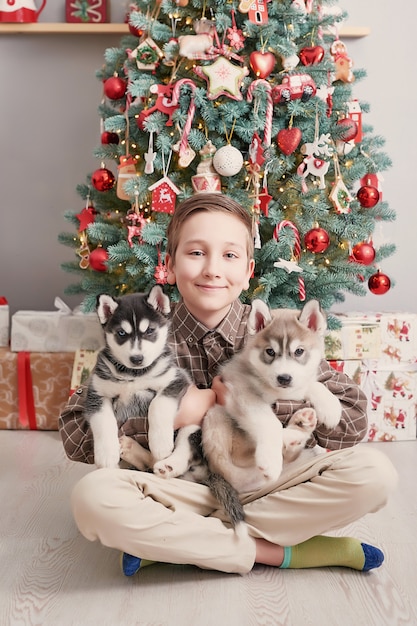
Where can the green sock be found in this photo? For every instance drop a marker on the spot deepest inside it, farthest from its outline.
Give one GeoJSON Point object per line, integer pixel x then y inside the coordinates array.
{"type": "Point", "coordinates": [332, 551]}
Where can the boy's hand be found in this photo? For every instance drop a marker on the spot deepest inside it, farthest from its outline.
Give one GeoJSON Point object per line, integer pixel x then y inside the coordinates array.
{"type": "Point", "coordinates": [193, 407]}
{"type": "Point", "coordinates": [219, 389]}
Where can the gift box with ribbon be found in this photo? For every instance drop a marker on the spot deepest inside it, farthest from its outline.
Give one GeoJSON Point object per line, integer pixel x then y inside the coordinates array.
{"type": "Point", "coordinates": [33, 388]}
{"type": "Point", "coordinates": [388, 337]}
{"type": "Point", "coordinates": [62, 330]}
{"type": "Point", "coordinates": [4, 321]}
{"type": "Point", "coordinates": [391, 391]}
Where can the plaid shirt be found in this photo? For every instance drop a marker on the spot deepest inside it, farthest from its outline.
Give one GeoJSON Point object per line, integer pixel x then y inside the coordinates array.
{"type": "Point", "coordinates": [201, 351]}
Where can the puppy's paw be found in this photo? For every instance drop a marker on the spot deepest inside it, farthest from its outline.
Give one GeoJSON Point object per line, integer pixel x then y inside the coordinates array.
{"type": "Point", "coordinates": [169, 468]}
{"type": "Point", "coordinates": [305, 419]}
{"type": "Point", "coordinates": [107, 455]}
{"type": "Point", "coordinates": [329, 411]}
{"type": "Point", "coordinates": [270, 467]}
{"type": "Point", "coordinates": [132, 452]}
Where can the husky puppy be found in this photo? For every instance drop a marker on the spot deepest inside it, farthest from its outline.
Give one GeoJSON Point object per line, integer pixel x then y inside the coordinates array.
{"type": "Point", "coordinates": [243, 439]}
{"type": "Point", "coordinates": [135, 375]}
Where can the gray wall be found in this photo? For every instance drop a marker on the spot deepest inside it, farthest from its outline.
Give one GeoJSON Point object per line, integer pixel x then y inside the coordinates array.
{"type": "Point", "coordinates": [49, 128]}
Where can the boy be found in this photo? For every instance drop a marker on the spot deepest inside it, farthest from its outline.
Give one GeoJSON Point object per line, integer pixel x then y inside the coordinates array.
{"type": "Point", "coordinates": [209, 257]}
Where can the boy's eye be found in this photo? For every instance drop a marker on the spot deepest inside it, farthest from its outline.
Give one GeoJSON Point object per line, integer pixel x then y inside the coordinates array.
{"type": "Point", "coordinates": [231, 255]}
{"type": "Point", "coordinates": [196, 253]}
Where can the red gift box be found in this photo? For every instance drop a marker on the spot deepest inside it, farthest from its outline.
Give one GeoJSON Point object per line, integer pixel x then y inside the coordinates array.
{"type": "Point", "coordinates": [34, 387]}
{"type": "Point", "coordinates": [86, 11]}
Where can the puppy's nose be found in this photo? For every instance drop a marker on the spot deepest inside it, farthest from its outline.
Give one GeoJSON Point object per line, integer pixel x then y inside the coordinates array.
{"type": "Point", "coordinates": [136, 359]}
{"type": "Point", "coordinates": [284, 380]}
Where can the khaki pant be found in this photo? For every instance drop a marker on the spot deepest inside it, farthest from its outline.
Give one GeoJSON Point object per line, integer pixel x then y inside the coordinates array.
{"type": "Point", "coordinates": [176, 521]}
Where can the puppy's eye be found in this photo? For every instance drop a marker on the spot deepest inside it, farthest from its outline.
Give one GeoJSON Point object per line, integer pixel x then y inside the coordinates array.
{"type": "Point", "coordinates": [299, 352]}
{"type": "Point", "coordinates": [270, 352]}
{"type": "Point", "coordinates": [150, 331]}
{"type": "Point", "coordinates": [121, 332]}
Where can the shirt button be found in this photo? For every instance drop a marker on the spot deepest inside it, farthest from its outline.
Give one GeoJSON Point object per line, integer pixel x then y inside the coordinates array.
{"type": "Point", "coordinates": [190, 340]}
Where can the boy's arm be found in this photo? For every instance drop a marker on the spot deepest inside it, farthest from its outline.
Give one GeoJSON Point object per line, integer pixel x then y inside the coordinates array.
{"type": "Point", "coordinates": [353, 424]}
{"type": "Point", "coordinates": [77, 437]}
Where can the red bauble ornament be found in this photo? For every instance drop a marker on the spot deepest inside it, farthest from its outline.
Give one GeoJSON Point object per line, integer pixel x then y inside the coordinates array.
{"type": "Point", "coordinates": [364, 253]}
{"type": "Point", "coordinates": [379, 283]}
{"type": "Point", "coordinates": [350, 129]}
{"type": "Point", "coordinates": [311, 55]}
{"type": "Point", "coordinates": [135, 31]}
{"type": "Point", "coordinates": [103, 179]}
{"type": "Point", "coordinates": [368, 196]}
{"type": "Point", "coordinates": [317, 240]}
{"type": "Point", "coordinates": [98, 259]}
{"type": "Point", "coordinates": [288, 140]}
{"type": "Point", "coordinates": [107, 137]}
{"type": "Point", "coordinates": [262, 63]}
{"type": "Point", "coordinates": [115, 87]}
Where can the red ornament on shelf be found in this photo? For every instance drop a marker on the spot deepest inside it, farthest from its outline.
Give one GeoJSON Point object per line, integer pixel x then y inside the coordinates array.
{"type": "Point", "coordinates": [379, 283]}
{"type": "Point", "coordinates": [288, 139]}
{"type": "Point", "coordinates": [107, 137]}
{"type": "Point", "coordinates": [115, 87]}
{"type": "Point", "coordinates": [364, 253]}
{"type": "Point", "coordinates": [368, 196]}
{"type": "Point", "coordinates": [350, 129]}
{"type": "Point", "coordinates": [262, 63]}
{"type": "Point", "coordinates": [311, 55]}
{"type": "Point", "coordinates": [103, 179]}
{"type": "Point", "coordinates": [98, 259]}
{"type": "Point", "coordinates": [317, 240]}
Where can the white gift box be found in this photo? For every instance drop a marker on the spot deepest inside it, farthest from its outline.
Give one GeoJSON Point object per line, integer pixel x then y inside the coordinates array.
{"type": "Point", "coordinates": [62, 330]}
{"type": "Point", "coordinates": [389, 337]}
{"type": "Point", "coordinates": [4, 322]}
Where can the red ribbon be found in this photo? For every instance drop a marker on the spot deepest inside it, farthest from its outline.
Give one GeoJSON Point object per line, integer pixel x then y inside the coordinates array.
{"type": "Point", "coordinates": [27, 414]}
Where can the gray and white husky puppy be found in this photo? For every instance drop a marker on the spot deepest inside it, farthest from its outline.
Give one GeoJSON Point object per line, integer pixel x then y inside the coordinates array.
{"type": "Point", "coordinates": [243, 441]}
{"type": "Point", "coordinates": [135, 375]}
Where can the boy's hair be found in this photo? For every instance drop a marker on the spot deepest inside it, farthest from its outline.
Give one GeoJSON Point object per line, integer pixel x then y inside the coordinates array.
{"type": "Point", "coordinates": [207, 202]}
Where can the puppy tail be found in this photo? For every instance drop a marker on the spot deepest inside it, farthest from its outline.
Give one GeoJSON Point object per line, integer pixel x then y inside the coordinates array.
{"type": "Point", "coordinates": [228, 497]}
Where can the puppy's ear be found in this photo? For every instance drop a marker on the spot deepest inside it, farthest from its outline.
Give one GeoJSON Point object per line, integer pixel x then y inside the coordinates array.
{"type": "Point", "coordinates": [159, 300]}
{"type": "Point", "coordinates": [313, 317]}
{"type": "Point", "coordinates": [259, 317]}
{"type": "Point", "coordinates": [106, 306]}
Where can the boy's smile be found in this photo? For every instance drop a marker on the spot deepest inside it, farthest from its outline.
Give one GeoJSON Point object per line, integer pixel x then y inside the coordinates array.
{"type": "Point", "coordinates": [211, 265]}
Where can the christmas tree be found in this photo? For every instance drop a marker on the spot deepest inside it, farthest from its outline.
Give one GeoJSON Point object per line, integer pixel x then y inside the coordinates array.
{"type": "Point", "coordinates": [253, 100]}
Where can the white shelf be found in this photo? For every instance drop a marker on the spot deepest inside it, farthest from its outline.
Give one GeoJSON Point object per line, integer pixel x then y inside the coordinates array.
{"type": "Point", "coordinates": [50, 28]}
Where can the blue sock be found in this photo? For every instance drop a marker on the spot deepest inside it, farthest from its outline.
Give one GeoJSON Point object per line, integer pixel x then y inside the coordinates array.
{"type": "Point", "coordinates": [132, 564]}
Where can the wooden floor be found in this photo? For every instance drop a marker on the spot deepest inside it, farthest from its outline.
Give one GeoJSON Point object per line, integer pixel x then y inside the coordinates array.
{"type": "Point", "coordinates": [51, 576]}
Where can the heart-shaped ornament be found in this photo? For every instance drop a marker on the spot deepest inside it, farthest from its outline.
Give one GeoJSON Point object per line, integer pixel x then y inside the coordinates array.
{"type": "Point", "coordinates": [311, 55]}
{"type": "Point", "coordinates": [288, 140]}
{"type": "Point", "coordinates": [262, 63]}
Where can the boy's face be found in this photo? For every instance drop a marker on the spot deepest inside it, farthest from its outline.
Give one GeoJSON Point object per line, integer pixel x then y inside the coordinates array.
{"type": "Point", "coordinates": [211, 265]}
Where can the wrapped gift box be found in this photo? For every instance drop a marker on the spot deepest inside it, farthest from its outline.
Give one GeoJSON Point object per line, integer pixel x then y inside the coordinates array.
{"type": "Point", "coordinates": [4, 322]}
{"type": "Point", "coordinates": [389, 337]}
{"type": "Point", "coordinates": [85, 11]}
{"type": "Point", "coordinates": [33, 388]}
{"type": "Point", "coordinates": [62, 330]}
{"type": "Point", "coordinates": [391, 393]}
{"type": "Point", "coordinates": [84, 361]}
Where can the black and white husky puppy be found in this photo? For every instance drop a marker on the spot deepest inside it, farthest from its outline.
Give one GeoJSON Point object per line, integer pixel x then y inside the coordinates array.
{"type": "Point", "coordinates": [135, 375]}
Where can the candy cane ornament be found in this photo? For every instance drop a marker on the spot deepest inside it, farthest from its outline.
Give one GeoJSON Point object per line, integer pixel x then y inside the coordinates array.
{"type": "Point", "coordinates": [191, 112]}
{"type": "Point", "coordinates": [290, 266]}
{"type": "Point", "coordinates": [269, 107]}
